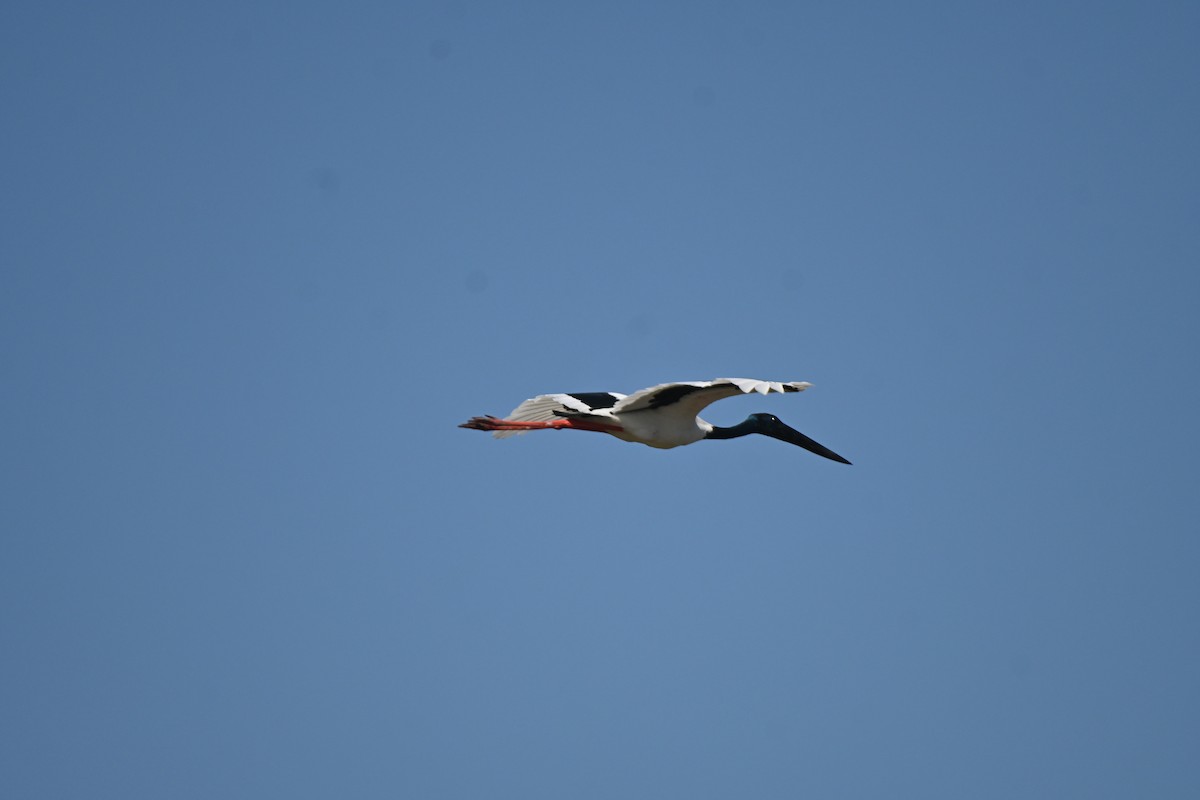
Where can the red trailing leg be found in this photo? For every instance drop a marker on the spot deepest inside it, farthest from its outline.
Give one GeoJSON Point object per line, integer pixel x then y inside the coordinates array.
{"type": "Point", "coordinates": [490, 423]}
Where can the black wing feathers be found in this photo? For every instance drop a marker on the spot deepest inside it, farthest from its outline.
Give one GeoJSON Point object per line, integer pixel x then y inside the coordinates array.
{"type": "Point", "coordinates": [673, 394]}
{"type": "Point", "coordinates": [596, 400]}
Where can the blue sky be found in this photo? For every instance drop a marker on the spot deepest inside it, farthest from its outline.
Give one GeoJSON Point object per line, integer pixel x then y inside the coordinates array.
{"type": "Point", "coordinates": [258, 261]}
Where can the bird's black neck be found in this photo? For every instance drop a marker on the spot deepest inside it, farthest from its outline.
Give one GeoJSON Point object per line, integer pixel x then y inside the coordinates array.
{"type": "Point", "coordinates": [741, 429]}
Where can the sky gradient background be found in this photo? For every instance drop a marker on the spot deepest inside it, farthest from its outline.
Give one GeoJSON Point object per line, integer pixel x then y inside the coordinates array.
{"type": "Point", "coordinates": [259, 260]}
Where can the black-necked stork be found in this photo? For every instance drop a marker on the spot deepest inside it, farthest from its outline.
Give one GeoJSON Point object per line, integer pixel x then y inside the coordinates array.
{"type": "Point", "coordinates": [662, 416]}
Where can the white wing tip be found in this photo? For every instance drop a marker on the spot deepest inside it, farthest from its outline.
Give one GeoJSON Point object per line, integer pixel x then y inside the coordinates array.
{"type": "Point", "coordinates": [748, 385]}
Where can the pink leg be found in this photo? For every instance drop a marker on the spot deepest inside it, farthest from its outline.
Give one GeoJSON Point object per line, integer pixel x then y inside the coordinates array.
{"type": "Point", "coordinates": [490, 423]}
{"type": "Point", "coordinates": [493, 424]}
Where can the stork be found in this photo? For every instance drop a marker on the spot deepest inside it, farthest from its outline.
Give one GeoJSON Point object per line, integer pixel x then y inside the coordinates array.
{"type": "Point", "coordinates": [662, 416]}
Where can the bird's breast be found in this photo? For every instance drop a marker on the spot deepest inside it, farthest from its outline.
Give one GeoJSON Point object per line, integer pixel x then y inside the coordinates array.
{"type": "Point", "coordinates": [660, 430]}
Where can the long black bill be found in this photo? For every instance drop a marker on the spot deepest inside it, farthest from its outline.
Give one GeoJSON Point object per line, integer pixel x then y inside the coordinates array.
{"type": "Point", "coordinates": [792, 436]}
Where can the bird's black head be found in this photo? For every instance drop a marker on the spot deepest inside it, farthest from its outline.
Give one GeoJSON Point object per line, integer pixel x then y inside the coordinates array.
{"type": "Point", "coordinates": [771, 425]}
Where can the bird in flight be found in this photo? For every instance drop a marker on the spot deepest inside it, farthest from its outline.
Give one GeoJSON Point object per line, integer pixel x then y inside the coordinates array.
{"type": "Point", "coordinates": [662, 416]}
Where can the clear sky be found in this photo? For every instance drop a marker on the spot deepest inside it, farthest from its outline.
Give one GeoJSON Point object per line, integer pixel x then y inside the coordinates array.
{"type": "Point", "coordinates": [260, 259]}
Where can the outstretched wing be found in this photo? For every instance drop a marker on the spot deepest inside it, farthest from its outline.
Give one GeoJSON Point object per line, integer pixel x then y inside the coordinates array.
{"type": "Point", "coordinates": [549, 407]}
{"type": "Point", "coordinates": [692, 397]}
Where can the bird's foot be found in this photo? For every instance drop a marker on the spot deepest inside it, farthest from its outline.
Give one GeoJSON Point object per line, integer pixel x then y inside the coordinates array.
{"type": "Point", "coordinates": [485, 423]}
